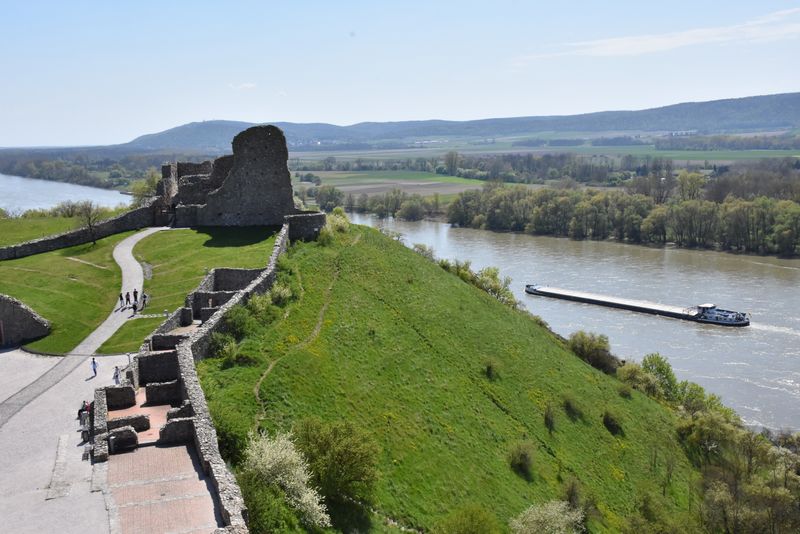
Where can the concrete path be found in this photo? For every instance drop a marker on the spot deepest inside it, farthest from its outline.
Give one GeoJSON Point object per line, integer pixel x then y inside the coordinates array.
{"type": "Point", "coordinates": [45, 484]}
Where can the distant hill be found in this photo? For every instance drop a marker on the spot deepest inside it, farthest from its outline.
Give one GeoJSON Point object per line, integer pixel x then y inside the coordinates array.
{"type": "Point", "coordinates": [754, 113]}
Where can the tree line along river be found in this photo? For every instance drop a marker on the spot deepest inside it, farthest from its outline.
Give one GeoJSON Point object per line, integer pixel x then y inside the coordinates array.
{"type": "Point", "coordinates": [756, 369]}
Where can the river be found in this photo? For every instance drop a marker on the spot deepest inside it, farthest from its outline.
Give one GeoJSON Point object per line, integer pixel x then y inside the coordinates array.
{"type": "Point", "coordinates": [19, 194]}
{"type": "Point", "coordinates": [756, 369]}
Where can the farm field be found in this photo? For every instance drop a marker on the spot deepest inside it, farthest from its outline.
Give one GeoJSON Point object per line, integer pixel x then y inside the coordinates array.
{"type": "Point", "coordinates": [378, 182]}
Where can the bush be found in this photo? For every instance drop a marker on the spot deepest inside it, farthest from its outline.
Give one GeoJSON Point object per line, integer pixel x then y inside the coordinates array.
{"type": "Point", "coordinates": [594, 350]}
{"type": "Point", "coordinates": [325, 237]}
{"type": "Point", "coordinates": [280, 294]}
{"type": "Point", "coordinates": [520, 458]}
{"type": "Point", "coordinates": [276, 460]}
{"type": "Point", "coordinates": [554, 517]}
{"type": "Point", "coordinates": [343, 459]}
{"type": "Point", "coordinates": [625, 391]}
{"type": "Point", "coordinates": [635, 376]}
{"type": "Point", "coordinates": [469, 519]}
{"type": "Point", "coordinates": [338, 221]}
{"type": "Point", "coordinates": [572, 409]}
{"type": "Point", "coordinates": [491, 369]}
{"type": "Point", "coordinates": [238, 322]}
{"type": "Point", "coordinates": [219, 344]}
{"type": "Point", "coordinates": [268, 509]}
{"type": "Point", "coordinates": [549, 418]}
{"type": "Point", "coordinates": [612, 423]}
{"type": "Point", "coordinates": [262, 309]}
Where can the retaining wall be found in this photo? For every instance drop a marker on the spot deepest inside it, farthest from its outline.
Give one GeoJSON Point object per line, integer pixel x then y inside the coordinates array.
{"type": "Point", "coordinates": [130, 220]}
{"type": "Point", "coordinates": [19, 323]}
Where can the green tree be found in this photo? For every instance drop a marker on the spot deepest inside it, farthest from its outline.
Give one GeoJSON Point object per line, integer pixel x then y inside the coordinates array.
{"type": "Point", "coordinates": [659, 367]}
{"type": "Point", "coordinates": [451, 162]}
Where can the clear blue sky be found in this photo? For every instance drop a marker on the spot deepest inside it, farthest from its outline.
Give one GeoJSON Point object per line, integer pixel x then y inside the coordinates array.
{"type": "Point", "coordinates": [77, 73]}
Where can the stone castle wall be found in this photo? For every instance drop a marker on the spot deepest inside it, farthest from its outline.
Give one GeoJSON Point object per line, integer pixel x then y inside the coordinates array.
{"type": "Point", "coordinates": [19, 323]}
{"type": "Point", "coordinates": [130, 220]}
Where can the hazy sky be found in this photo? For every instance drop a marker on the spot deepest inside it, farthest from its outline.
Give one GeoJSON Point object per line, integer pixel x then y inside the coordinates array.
{"type": "Point", "coordinates": [77, 73]}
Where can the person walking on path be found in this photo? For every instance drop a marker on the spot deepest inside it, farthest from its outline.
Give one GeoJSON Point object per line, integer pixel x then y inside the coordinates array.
{"type": "Point", "coordinates": [121, 301]}
{"type": "Point", "coordinates": [144, 299]}
{"type": "Point", "coordinates": [134, 309]}
{"type": "Point", "coordinates": [116, 375]}
{"type": "Point", "coordinates": [135, 296]}
{"type": "Point", "coordinates": [128, 299]}
{"type": "Point", "coordinates": [94, 367]}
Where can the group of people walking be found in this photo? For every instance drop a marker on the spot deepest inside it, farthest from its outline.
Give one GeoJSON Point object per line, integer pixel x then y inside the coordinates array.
{"type": "Point", "coordinates": [136, 304]}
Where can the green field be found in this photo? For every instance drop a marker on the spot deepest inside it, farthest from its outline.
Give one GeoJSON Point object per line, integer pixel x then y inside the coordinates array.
{"type": "Point", "coordinates": [181, 258]}
{"type": "Point", "coordinates": [382, 337]}
{"type": "Point", "coordinates": [507, 147]}
{"type": "Point", "coordinates": [74, 288]}
{"type": "Point", "coordinates": [19, 230]}
{"type": "Point", "coordinates": [129, 338]}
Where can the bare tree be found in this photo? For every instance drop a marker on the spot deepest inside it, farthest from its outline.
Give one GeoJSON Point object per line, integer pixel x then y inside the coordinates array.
{"type": "Point", "coordinates": [90, 214]}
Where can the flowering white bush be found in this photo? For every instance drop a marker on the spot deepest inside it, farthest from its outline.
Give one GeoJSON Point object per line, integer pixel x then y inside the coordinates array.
{"type": "Point", "coordinates": [276, 460]}
{"type": "Point", "coordinates": [554, 517]}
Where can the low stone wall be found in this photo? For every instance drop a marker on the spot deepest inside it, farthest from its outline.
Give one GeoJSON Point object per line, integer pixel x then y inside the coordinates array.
{"type": "Point", "coordinates": [305, 226]}
{"type": "Point", "coordinates": [140, 422]}
{"type": "Point", "coordinates": [130, 220]}
{"type": "Point", "coordinates": [179, 430]}
{"type": "Point", "coordinates": [226, 279]}
{"type": "Point", "coordinates": [163, 392]}
{"type": "Point", "coordinates": [164, 341]}
{"type": "Point", "coordinates": [19, 323]}
{"type": "Point", "coordinates": [157, 367]}
{"type": "Point", "coordinates": [120, 397]}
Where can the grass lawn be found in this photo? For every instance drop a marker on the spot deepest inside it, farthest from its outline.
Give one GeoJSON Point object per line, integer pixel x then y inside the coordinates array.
{"type": "Point", "coordinates": [129, 338]}
{"type": "Point", "coordinates": [388, 340]}
{"type": "Point", "coordinates": [181, 258]}
{"type": "Point", "coordinates": [74, 288]}
{"type": "Point", "coordinates": [13, 231]}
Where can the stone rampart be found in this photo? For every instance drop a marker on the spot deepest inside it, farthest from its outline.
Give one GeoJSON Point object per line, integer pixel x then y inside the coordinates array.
{"type": "Point", "coordinates": [130, 220]}
{"type": "Point", "coordinates": [158, 393]}
{"type": "Point", "coordinates": [19, 323]}
{"type": "Point", "coordinates": [305, 226]}
{"type": "Point", "coordinates": [140, 422]}
{"type": "Point", "coordinates": [226, 279]}
{"type": "Point", "coordinates": [120, 397]}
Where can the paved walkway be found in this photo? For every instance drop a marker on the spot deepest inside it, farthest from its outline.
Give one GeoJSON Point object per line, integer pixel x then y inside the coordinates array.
{"type": "Point", "coordinates": [46, 486]}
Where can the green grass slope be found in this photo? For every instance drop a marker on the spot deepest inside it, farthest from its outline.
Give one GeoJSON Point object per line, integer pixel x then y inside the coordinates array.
{"type": "Point", "coordinates": [74, 288]}
{"type": "Point", "coordinates": [13, 231]}
{"type": "Point", "coordinates": [386, 339]}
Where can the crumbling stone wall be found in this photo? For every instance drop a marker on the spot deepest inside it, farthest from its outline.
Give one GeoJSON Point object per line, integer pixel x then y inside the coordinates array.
{"type": "Point", "coordinates": [19, 323]}
{"type": "Point", "coordinates": [130, 220]}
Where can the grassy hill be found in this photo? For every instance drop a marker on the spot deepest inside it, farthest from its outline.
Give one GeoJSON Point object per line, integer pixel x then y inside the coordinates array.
{"type": "Point", "coordinates": [379, 336]}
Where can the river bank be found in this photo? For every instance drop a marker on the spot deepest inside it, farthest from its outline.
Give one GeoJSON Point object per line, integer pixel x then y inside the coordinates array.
{"type": "Point", "coordinates": [18, 194]}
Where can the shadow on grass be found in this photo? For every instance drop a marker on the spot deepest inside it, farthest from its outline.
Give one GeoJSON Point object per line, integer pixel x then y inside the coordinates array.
{"type": "Point", "coordinates": [350, 517]}
{"type": "Point", "coordinates": [229, 236]}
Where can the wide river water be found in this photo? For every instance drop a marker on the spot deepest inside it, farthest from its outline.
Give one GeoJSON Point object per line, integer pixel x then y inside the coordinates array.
{"type": "Point", "coordinates": [755, 369]}
{"type": "Point", "coordinates": [20, 194]}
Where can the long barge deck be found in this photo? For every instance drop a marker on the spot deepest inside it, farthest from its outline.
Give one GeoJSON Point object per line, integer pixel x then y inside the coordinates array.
{"type": "Point", "coordinates": [642, 306]}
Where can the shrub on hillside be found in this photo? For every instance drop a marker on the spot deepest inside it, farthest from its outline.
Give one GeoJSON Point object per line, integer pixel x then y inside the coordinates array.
{"type": "Point", "coordinates": [520, 458]}
{"type": "Point", "coordinates": [262, 308]}
{"type": "Point", "coordinates": [343, 459]}
{"type": "Point", "coordinates": [219, 343]}
{"type": "Point", "coordinates": [553, 517]}
{"type": "Point", "coordinates": [491, 369]}
{"type": "Point", "coordinates": [268, 509]}
{"type": "Point", "coordinates": [633, 375]}
{"type": "Point", "coordinates": [325, 237]}
{"type": "Point", "coordinates": [276, 460]}
{"type": "Point", "coordinates": [661, 370]}
{"type": "Point", "coordinates": [280, 294]}
{"type": "Point", "coordinates": [239, 322]}
{"type": "Point", "coordinates": [571, 408]}
{"type": "Point", "coordinates": [338, 221]}
{"type": "Point", "coordinates": [469, 519]}
{"type": "Point", "coordinates": [625, 391]}
{"type": "Point", "coordinates": [424, 250]}
{"type": "Point", "coordinates": [549, 418]}
{"type": "Point", "coordinates": [612, 423]}
{"type": "Point", "coordinates": [594, 350]}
